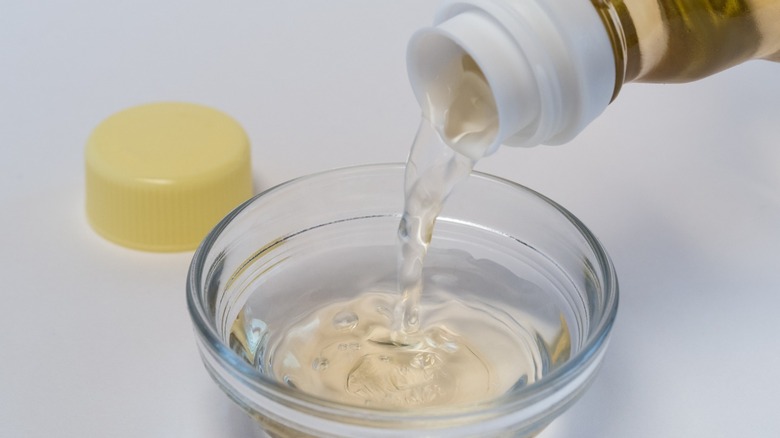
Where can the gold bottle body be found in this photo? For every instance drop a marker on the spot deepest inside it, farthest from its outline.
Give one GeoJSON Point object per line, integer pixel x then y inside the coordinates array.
{"type": "Point", "coordinates": [686, 40]}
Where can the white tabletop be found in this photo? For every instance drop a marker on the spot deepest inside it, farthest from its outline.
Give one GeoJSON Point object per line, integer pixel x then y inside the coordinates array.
{"type": "Point", "coordinates": [680, 182]}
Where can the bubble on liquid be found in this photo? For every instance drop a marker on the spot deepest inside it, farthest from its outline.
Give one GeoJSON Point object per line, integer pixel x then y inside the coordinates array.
{"type": "Point", "coordinates": [425, 361]}
{"type": "Point", "coordinates": [320, 364]}
{"type": "Point", "coordinates": [345, 320]}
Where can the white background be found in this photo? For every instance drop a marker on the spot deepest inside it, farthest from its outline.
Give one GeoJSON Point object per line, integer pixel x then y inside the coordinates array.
{"type": "Point", "coordinates": [680, 182]}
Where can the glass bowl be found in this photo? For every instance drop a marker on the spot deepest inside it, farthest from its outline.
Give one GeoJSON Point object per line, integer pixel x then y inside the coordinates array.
{"type": "Point", "coordinates": [498, 248]}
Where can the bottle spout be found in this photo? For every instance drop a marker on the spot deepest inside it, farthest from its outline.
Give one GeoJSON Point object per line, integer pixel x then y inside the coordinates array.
{"type": "Point", "coordinates": [547, 68]}
{"type": "Point", "coordinates": [468, 84]}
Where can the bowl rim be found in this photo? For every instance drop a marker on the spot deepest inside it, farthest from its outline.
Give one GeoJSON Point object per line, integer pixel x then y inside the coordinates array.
{"type": "Point", "coordinates": [207, 331]}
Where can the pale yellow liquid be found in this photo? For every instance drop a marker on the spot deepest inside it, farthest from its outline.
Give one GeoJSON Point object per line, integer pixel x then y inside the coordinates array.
{"type": "Point", "coordinates": [345, 353]}
{"type": "Point", "coordinates": [379, 350]}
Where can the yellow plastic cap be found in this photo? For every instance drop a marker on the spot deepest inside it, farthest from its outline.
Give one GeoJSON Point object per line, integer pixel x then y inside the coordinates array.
{"type": "Point", "coordinates": [160, 176]}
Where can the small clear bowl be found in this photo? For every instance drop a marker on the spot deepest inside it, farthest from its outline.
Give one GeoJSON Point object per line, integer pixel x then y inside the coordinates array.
{"type": "Point", "coordinates": [324, 238]}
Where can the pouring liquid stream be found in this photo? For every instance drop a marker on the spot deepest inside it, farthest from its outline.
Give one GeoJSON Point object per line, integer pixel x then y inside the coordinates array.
{"type": "Point", "coordinates": [443, 154]}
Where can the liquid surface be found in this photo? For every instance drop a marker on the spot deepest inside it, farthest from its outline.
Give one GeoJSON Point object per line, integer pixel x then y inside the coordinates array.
{"type": "Point", "coordinates": [344, 352]}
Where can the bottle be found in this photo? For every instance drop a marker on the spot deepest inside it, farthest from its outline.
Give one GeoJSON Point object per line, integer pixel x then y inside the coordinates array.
{"type": "Point", "coordinates": [552, 66]}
